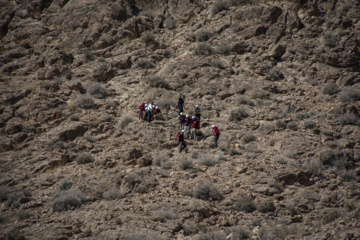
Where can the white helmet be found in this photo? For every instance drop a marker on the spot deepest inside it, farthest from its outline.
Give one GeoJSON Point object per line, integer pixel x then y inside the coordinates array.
{"type": "Point", "coordinates": [193, 117]}
{"type": "Point", "coordinates": [181, 113]}
{"type": "Point", "coordinates": [145, 105]}
{"type": "Point", "coordinates": [213, 126]}
{"type": "Point", "coordinates": [187, 115]}
{"type": "Point", "coordinates": [182, 130]}
{"type": "Point", "coordinates": [157, 107]}
{"type": "Point", "coordinates": [197, 106]}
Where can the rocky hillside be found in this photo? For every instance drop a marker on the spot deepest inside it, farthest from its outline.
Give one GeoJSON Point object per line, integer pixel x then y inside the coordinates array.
{"type": "Point", "coordinates": [279, 78]}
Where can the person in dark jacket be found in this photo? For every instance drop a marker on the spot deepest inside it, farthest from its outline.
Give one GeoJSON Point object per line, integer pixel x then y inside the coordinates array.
{"type": "Point", "coordinates": [181, 140]}
{"type": "Point", "coordinates": [216, 133]}
{"type": "Point", "coordinates": [197, 112]}
{"type": "Point", "coordinates": [181, 104]}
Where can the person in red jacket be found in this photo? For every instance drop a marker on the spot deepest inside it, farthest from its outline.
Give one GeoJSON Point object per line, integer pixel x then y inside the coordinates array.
{"type": "Point", "coordinates": [188, 121]}
{"type": "Point", "coordinates": [194, 126]}
{"type": "Point", "coordinates": [181, 140]}
{"type": "Point", "coordinates": [216, 133]}
{"type": "Point", "coordinates": [141, 110]}
{"type": "Point", "coordinates": [182, 118]}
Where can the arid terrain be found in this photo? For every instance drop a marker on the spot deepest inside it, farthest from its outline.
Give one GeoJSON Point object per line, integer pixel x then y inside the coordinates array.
{"type": "Point", "coordinates": [279, 78]}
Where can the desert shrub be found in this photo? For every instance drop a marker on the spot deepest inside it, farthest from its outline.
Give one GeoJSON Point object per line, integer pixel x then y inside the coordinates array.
{"type": "Point", "coordinates": [95, 89]}
{"type": "Point", "coordinates": [148, 37]}
{"type": "Point", "coordinates": [350, 95]}
{"type": "Point", "coordinates": [113, 193]}
{"type": "Point", "coordinates": [3, 194]}
{"type": "Point", "coordinates": [238, 113]}
{"type": "Point", "coordinates": [203, 49]}
{"type": "Point", "coordinates": [248, 137]}
{"type": "Point", "coordinates": [349, 119]}
{"type": "Point", "coordinates": [124, 121]}
{"type": "Point", "coordinates": [165, 103]}
{"type": "Point", "coordinates": [67, 184]}
{"type": "Point", "coordinates": [278, 115]}
{"type": "Point", "coordinates": [207, 161]}
{"type": "Point", "coordinates": [234, 151]}
{"type": "Point", "coordinates": [275, 75]}
{"type": "Point", "coordinates": [292, 125]}
{"type": "Point", "coordinates": [85, 102]}
{"type": "Point", "coordinates": [203, 35]}
{"type": "Point", "coordinates": [330, 39]}
{"type": "Point", "coordinates": [211, 236]}
{"type": "Point", "coordinates": [302, 116]}
{"type": "Point", "coordinates": [273, 184]}
{"type": "Point", "coordinates": [245, 101]}
{"type": "Point", "coordinates": [58, 145]}
{"type": "Point", "coordinates": [265, 206]}
{"type": "Point", "coordinates": [143, 235]}
{"type": "Point", "coordinates": [170, 23]}
{"type": "Point", "coordinates": [23, 215]}
{"type": "Point", "coordinates": [314, 166]}
{"type": "Point", "coordinates": [223, 48]}
{"type": "Point", "coordinates": [291, 49]}
{"type": "Point", "coordinates": [16, 198]}
{"type": "Point", "coordinates": [132, 180]}
{"type": "Point", "coordinates": [224, 146]}
{"type": "Point", "coordinates": [279, 231]}
{"type": "Point", "coordinates": [156, 81]}
{"type": "Point", "coordinates": [144, 63]}
{"type": "Point", "coordinates": [239, 233]}
{"type": "Point", "coordinates": [281, 159]}
{"type": "Point", "coordinates": [74, 117]}
{"type": "Point", "coordinates": [217, 63]}
{"type": "Point", "coordinates": [330, 89]}
{"type": "Point", "coordinates": [66, 200]}
{"type": "Point", "coordinates": [245, 204]}
{"type": "Point", "coordinates": [219, 5]}
{"type": "Point", "coordinates": [185, 164]}
{"type": "Point", "coordinates": [90, 138]}
{"type": "Point", "coordinates": [330, 216]}
{"type": "Point", "coordinates": [163, 215]}
{"type": "Point", "coordinates": [280, 124]}
{"type": "Point", "coordinates": [220, 156]}
{"type": "Point", "coordinates": [309, 123]}
{"type": "Point", "coordinates": [206, 191]}
{"type": "Point", "coordinates": [163, 161]}
{"type": "Point", "coordinates": [84, 158]}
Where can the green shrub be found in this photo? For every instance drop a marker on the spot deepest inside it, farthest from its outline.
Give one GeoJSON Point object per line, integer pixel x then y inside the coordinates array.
{"type": "Point", "coordinates": [96, 90]}
{"type": "Point", "coordinates": [302, 116]}
{"type": "Point", "coordinates": [245, 204]}
{"type": "Point", "coordinates": [206, 191]}
{"type": "Point", "coordinates": [280, 124]}
{"type": "Point", "coordinates": [238, 114]}
{"type": "Point", "coordinates": [219, 5]}
{"type": "Point", "coordinates": [66, 200]}
{"type": "Point", "coordinates": [203, 49]}
{"type": "Point", "coordinates": [350, 95]}
{"type": "Point", "coordinates": [124, 121]}
{"type": "Point", "coordinates": [85, 102]}
{"type": "Point", "coordinates": [309, 123]}
{"type": "Point", "coordinates": [67, 184]}
{"type": "Point", "coordinates": [349, 119]}
{"type": "Point", "coordinates": [266, 206]}
{"type": "Point", "coordinates": [330, 39]}
{"type": "Point", "coordinates": [330, 89]}
{"type": "Point", "coordinates": [203, 35]}
{"type": "Point", "coordinates": [156, 81]}
{"type": "Point", "coordinates": [292, 125]}
{"type": "Point", "coordinates": [144, 63]}
{"type": "Point", "coordinates": [84, 158]}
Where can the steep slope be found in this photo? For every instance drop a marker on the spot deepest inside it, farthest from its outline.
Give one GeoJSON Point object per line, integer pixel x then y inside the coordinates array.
{"type": "Point", "coordinates": [280, 79]}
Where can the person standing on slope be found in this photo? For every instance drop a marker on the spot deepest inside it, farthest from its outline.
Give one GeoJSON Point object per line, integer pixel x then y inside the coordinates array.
{"type": "Point", "coordinates": [181, 140]}
{"type": "Point", "coordinates": [216, 133]}
{"type": "Point", "coordinates": [194, 126]}
{"type": "Point", "coordinates": [181, 104]}
{"type": "Point", "coordinates": [197, 112]}
{"type": "Point", "coordinates": [182, 121]}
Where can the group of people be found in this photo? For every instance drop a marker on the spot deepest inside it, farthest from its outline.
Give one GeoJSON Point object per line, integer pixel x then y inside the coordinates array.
{"type": "Point", "coordinates": [148, 112]}
{"type": "Point", "coordinates": [188, 124]}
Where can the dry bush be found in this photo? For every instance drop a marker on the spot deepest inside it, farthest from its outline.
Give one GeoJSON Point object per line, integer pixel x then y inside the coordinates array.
{"type": "Point", "coordinates": [223, 48]}
{"type": "Point", "coordinates": [349, 119]}
{"type": "Point", "coordinates": [163, 215]}
{"type": "Point", "coordinates": [201, 49]}
{"type": "Point", "coordinates": [203, 35]}
{"type": "Point", "coordinates": [220, 5]}
{"type": "Point", "coordinates": [217, 63]}
{"type": "Point", "coordinates": [156, 81]}
{"type": "Point", "coordinates": [220, 156]}
{"type": "Point", "coordinates": [350, 95]}
{"type": "Point", "coordinates": [211, 236]}
{"type": "Point", "coordinates": [330, 216]}
{"type": "Point", "coordinates": [278, 231]}
{"type": "Point", "coordinates": [3, 194]}
{"type": "Point", "coordinates": [96, 90]}
{"type": "Point", "coordinates": [113, 194]}
{"type": "Point", "coordinates": [206, 191]}
{"type": "Point", "coordinates": [330, 89]}
{"type": "Point", "coordinates": [170, 23]}
{"type": "Point", "coordinates": [16, 198]}
{"type": "Point", "coordinates": [85, 102]}
{"type": "Point", "coordinates": [245, 204]}
{"type": "Point", "coordinates": [185, 164]}
{"type": "Point", "coordinates": [23, 215]}
{"type": "Point", "coordinates": [292, 125]}
{"type": "Point", "coordinates": [148, 37]}
{"type": "Point", "coordinates": [124, 121]}
{"type": "Point", "coordinates": [165, 103]}
{"type": "Point", "coordinates": [275, 74]}
{"type": "Point", "coordinates": [281, 159]}
{"type": "Point", "coordinates": [309, 123]}
{"type": "Point", "coordinates": [143, 235]}
{"type": "Point", "coordinates": [207, 161]}
{"type": "Point", "coordinates": [330, 39]}
{"type": "Point", "coordinates": [66, 200]}
{"type": "Point", "coordinates": [238, 114]}
{"type": "Point", "coordinates": [243, 100]}
{"type": "Point", "coordinates": [67, 184]}
{"type": "Point", "coordinates": [58, 145]}
{"type": "Point", "coordinates": [273, 184]}
{"type": "Point", "coordinates": [266, 206]}
{"type": "Point", "coordinates": [280, 124]}
{"type": "Point", "coordinates": [248, 137]}
{"type": "Point", "coordinates": [84, 158]}
{"type": "Point", "coordinates": [304, 115]}
{"type": "Point", "coordinates": [163, 161]}
{"type": "Point", "coordinates": [144, 63]}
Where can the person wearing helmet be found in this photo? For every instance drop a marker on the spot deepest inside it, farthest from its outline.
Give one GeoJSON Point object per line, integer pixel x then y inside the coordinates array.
{"type": "Point", "coordinates": [181, 104]}
{"type": "Point", "coordinates": [157, 112]}
{"type": "Point", "coordinates": [194, 126]}
{"type": "Point", "coordinates": [142, 110]}
{"type": "Point", "coordinates": [197, 112]}
{"type": "Point", "coordinates": [188, 121]}
{"type": "Point", "coordinates": [216, 133]}
{"type": "Point", "coordinates": [181, 140]}
{"type": "Point", "coordinates": [182, 118]}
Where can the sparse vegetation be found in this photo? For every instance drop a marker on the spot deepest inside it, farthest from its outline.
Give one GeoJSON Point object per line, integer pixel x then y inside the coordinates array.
{"type": "Point", "coordinates": [185, 164]}
{"type": "Point", "coordinates": [203, 35]}
{"type": "Point", "coordinates": [96, 90]}
{"type": "Point", "coordinates": [148, 37]}
{"type": "Point", "coordinates": [162, 161]}
{"type": "Point", "coordinates": [330, 216]}
{"type": "Point", "coordinates": [302, 116]}
{"type": "Point", "coordinates": [144, 63]}
{"type": "Point", "coordinates": [330, 39]}
{"type": "Point", "coordinates": [309, 123]}
{"type": "Point", "coordinates": [85, 102]}
{"type": "Point", "coordinates": [84, 158]}
{"type": "Point", "coordinates": [14, 199]}
{"type": "Point", "coordinates": [292, 125]}
{"type": "Point", "coordinates": [124, 121]}
{"type": "Point", "coordinates": [217, 63]}
{"type": "Point", "coordinates": [330, 89]}
{"type": "Point", "coordinates": [3, 194]}
{"type": "Point", "coordinates": [163, 215]}
{"type": "Point", "coordinates": [156, 81]}
{"type": "Point", "coordinates": [165, 103]}
{"type": "Point", "coordinates": [314, 166]}
{"type": "Point", "coordinates": [238, 114]}
{"type": "Point", "coordinates": [265, 206]}
{"type": "Point", "coordinates": [349, 119]}
{"type": "Point", "coordinates": [211, 236]}
{"type": "Point", "coordinates": [275, 74]}
{"type": "Point", "coordinates": [206, 191]}
{"type": "Point", "coordinates": [67, 184]}
{"type": "Point", "coordinates": [113, 194]}
{"type": "Point", "coordinates": [278, 231]}
{"type": "Point", "coordinates": [170, 23]}
{"type": "Point", "coordinates": [207, 161]}
{"type": "Point", "coordinates": [350, 95]}
{"type": "Point", "coordinates": [223, 48]}
{"type": "Point", "coordinates": [67, 200]}
{"type": "Point", "coordinates": [245, 204]}
{"type": "Point", "coordinates": [248, 137]}
{"type": "Point", "coordinates": [203, 49]}
{"type": "Point", "coordinates": [220, 5]}
{"type": "Point", "coordinates": [143, 235]}
{"type": "Point", "coordinates": [280, 124]}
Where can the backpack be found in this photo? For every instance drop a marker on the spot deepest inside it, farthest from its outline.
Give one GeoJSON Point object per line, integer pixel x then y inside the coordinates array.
{"type": "Point", "coordinates": [216, 131]}
{"type": "Point", "coordinates": [142, 106]}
